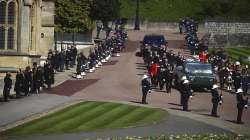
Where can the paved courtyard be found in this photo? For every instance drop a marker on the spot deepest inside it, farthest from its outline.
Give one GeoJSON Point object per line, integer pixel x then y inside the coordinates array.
{"type": "Point", "coordinates": [119, 81]}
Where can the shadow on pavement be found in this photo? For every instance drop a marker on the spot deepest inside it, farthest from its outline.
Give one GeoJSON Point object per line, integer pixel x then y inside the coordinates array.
{"type": "Point", "coordinates": [174, 104]}
{"type": "Point", "coordinates": [179, 109]}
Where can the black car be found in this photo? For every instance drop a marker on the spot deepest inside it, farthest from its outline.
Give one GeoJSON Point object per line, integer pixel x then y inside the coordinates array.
{"type": "Point", "coordinates": [199, 74]}
{"type": "Point", "coordinates": [155, 41]}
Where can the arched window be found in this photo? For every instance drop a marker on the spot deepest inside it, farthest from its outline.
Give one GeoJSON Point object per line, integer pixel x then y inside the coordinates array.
{"type": "Point", "coordinates": [11, 36]}
{"type": "Point", "coordinates": [2, 38]}
{"type": "Point", "coordinates": [11, 12]}
{"type": "Point", "coordinates": [8, 24]}
{"type": "Point", "coordinates": [2, 12]}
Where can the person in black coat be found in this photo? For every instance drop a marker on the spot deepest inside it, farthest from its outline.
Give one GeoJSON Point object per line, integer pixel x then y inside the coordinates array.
{"type": "Point", "coordinates": [145, 88]}
{"type": "Point", "coordinates": [27, 80]}
{"type": "Point", "coordinates": [39, 79]}
{"type": "Point", "coordinates": [19, 83]}
{"type": "Point", "coordinates": [242, 102]}
{"type": "Point", "coordinates": [48, 75]}
{"type": "Point", "coordinates": [7, 86]}
{"type": "Point", "coordinates": [187, 93]}
{"type": "Point", "coordinates": [216, 99]}
{"type": "Point", "coordinates": [169, 78]}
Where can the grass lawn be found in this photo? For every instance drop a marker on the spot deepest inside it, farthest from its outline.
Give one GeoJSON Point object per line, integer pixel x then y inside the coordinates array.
{"type": "Point", "coordinates": [172, 10]}
{"type": "Point", "coordinates": [89, 116]}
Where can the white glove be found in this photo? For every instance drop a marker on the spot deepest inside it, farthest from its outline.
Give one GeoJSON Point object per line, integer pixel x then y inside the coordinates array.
{"type": "Point", "coordinates": [246, 106]}
{"type": "Point", "coordinates": [220, 102]}
{"type": "Point", "coordinates": [191, 96]}
{"type": "Point", "coordinates": [149, 91]}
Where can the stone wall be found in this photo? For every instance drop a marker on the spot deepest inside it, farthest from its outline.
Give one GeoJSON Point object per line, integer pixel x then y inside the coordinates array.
{"type": "Point", "coordinates": [220, 34]}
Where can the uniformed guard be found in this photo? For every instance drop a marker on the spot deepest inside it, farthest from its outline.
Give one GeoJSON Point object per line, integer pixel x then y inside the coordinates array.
{"type": "Point", "coordinates": [242, 102]}
{"type": "Point", "coordinates": [7, 86]}
{"type": "Point", "coordinates": [27, 80]}
{"type": "Point", "coordinates": [169, 78]}
{"type": "Point", "coordinates": [145, 88]}
{"type": "Point", "coordinates": [19, 83]}
{"type": "Point", "coordinates": [180, 88]}
{"type": "Point", "coordinates": [216, 100]}
{"type": "Point", "coordinates": [187, 93]}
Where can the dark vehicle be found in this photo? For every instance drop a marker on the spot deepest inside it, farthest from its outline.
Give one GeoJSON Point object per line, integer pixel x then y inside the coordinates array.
{"type": "Point", "coordinates": [199, 74]}
{"type": "Point", "coordinates": [155, 41]}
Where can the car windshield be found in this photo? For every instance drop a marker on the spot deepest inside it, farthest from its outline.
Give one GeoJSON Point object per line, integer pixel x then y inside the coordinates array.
{"type": "Point", "coordinates": [198, 68]}
{"type": "Point", "coordinates": [154, 40]}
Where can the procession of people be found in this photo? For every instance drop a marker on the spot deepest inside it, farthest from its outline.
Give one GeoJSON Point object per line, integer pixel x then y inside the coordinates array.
{"type": "Point", "coordinates": [161, 63]}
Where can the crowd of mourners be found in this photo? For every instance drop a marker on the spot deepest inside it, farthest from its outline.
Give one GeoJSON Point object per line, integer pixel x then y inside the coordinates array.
{"type": "Point", "coordinates": [33, 79]}
{"type": "Point", "coordinates": [161, 63]}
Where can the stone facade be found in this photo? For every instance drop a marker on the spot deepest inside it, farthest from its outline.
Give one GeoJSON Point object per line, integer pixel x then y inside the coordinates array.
{"type": "Point", "coordinates": [220, 34]}
{"type": "Point", "coordinates": [34, 33]}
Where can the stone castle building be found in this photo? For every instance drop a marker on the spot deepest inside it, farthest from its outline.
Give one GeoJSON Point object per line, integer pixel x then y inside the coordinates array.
{"type": "Point", "coordinates": [26, 31]}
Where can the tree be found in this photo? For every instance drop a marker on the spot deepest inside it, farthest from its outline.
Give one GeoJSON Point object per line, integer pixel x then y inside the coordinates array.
{"type": "Point", "coordinates": [73, 16]}
{"type": "Point", "coordinates": [105, 10]}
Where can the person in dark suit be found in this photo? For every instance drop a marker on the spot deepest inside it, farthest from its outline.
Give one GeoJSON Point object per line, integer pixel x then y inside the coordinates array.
{"type": "Point", "coordinates": [19, 83]}
{"type": "Point", "coordinates": [242, 102]}
{"type": "Point", "coordinates": [186, 91]}
{"type": "Point", "coordinates": [216, 100]}
{"type": "Point", "coordinates": [7, 86]}
{"type": "Point", "coordinates": [145, 88]}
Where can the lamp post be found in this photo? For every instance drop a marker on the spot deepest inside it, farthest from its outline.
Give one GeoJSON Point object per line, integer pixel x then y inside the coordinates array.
{"type": "Point", "coordinates": [137, 20]}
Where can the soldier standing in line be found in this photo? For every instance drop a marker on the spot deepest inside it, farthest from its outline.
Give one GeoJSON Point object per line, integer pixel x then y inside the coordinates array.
{"type": "Point", "coordinates": [186, 91]}
{"type": "Point", "coordinates": [39, 79]}
{"type": "Point", "coordinates": [245, 81]}
{"type": "Point", "coordinates": [237, 76]}
{"type": "Point", "coordinates": [242, 102]}
{"type": "Point", "coordinates": [7, 86]}
{"type": "Point", "coordinates": [169, 77]}
{"type": "Point", "coordinates": [162, 76]}
{"type": "Point", "coordinates": [67, 58]}
{"type": "Point", "coordinates": [34, 78]}
{"type": "Point", "coordinates": [145, 88]}
{"type": "Point", "coordinates": [216, 99]}
{"type": "Point", "coordinates": [27, 80]}
{"type": "Point", "coordinates": [19, 83]}
{"type": "Point", "coordinates": [48, 75]}
{"type": "Point", "coordinates": [74, 54]}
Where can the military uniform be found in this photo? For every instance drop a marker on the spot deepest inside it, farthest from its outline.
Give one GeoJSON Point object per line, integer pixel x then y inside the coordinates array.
{"type": "Point", "coordinates": [145, 88]}
{"type": "Point", "coordinates": [19, 83]}
{"type": "Point", "coordinates": [186, 92]}
{"type": "Point", "coordinates": [216, 99]}
{"type": "Point", "coordinates": [241, 104]}
{"type": "Point", "coordinates": [7, 86]}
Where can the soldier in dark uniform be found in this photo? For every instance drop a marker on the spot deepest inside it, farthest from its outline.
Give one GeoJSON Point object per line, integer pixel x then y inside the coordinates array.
{"type": "Point", "coordinates": [237, 79]}
{"type": "Point", "coordinates": [39, 79]}
{"type": "Point", "coordinates": [73, 50]}
{"type": "Point", "coordinates": [7, 86]}
{"type": "Point", "coordinates": [19, 83]}
{"type": "Point", "coordinates": [186, 91]}
{"type": "Point", "coordinates": [245, 81]}
{"type": "Point", "coordinates": [27, 80]}
{"type": "Point", "coordinates": [145, 88]}
{"type": "Point", "coordinates": [34, 78]}
{"type": "Point", "coordinates": [67, 58]}
{"type": "Point", "coordinates": [216, 99]}
{"type": "Point", "coordinates": [242, 102]}
{"type": "Point", "coordinates": [48, 75]}
{"type": "Point", "coordinates": [162, 76]}
{"type": "Point", "coordinates": [169, 78]}
{"type": "Point", "coordinates": [57, 61]}
{"type": "Point", "coordinates": [61, 60]}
